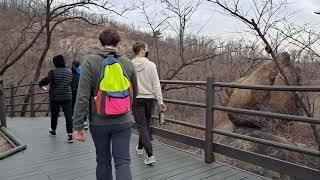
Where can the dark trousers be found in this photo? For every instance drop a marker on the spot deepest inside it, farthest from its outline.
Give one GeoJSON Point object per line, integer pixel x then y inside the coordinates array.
{"type": "Point", "coordinates": [74, 98]}
{"type": "Point", "coordinates": [112, 141]}
{"type": "Point", "coordinates": [142, 111]}
{"type": "Point", "coordinates": [67, 110]}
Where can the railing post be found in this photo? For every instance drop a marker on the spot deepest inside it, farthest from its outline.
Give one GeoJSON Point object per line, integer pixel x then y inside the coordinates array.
{"type": "Point", "coordinates": [32, 113]}
{"type": "Point", "coordinates": [3, 120]}
{"type": "Point", "coordinates": [209, 155]}
{"type": "Point", "coordinates": [12, 114]}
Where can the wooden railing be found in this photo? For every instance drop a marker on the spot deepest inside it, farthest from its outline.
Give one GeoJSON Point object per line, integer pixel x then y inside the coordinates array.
{"type": "Point", "coordinates": [12, 97]}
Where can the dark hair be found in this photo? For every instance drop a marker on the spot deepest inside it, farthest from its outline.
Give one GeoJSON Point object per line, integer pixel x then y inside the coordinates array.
{"type": "Point", "coordinates": [138, 46]}
{"type": "Point", "coordinates": [76, 64]}
{"type": "Point", "coordinates": [59, 62]}
{"type": "Point", "coordinates": [109, 37]}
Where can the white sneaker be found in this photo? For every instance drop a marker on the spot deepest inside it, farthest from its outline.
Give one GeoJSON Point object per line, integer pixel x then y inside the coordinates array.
{"type": "Point", "coordinates": [150, 160]}
{"type": "Point", "coordinates": [86, 127]}
{"type": "Point", "coordinates": [70, 138]}
{"type": "Point", "coordinates": [139, 151]}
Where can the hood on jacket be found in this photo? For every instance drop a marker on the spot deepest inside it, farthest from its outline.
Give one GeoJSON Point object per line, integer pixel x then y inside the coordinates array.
{"type": "Point", "coordinates": [140, 63]}
{"type": "Point", "coordinates": [59, 62]}
{"type": "Point", "coordinates": [105, 51]}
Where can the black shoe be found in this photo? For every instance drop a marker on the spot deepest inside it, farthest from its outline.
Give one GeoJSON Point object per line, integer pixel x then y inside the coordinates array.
{"type": "Point", "coordinates": [52, 132]}
{"type": "Point", "coordinates": [70, 138]}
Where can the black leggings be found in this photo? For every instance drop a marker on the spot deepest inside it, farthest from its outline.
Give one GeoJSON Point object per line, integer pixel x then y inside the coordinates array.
{"type": "Point", "coordinates": [67, 109]}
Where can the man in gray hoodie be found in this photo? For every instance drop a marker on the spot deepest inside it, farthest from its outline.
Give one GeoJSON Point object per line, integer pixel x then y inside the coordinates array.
{"type": "Point", "coordinates": [149, 90]}
{"type": "Point", "coordinates": [111, 135]}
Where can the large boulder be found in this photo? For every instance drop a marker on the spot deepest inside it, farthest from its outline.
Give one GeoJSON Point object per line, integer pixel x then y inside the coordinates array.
{"type": "Point", "coordinates": [282, 101]}
{"type": "Point", "coordinates": [252, 99]}
{"type": "Point", "coordinates": [274, 101]}
{"type": "Point", "coordinates": [229, 91]}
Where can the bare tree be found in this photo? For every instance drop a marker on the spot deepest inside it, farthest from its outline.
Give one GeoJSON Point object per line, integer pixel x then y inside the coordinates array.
{"type": "Point", "coordinates": [157, 24]}
{"type": "Point", "coordinates": [56, 13]}
{"type": "Point", "coordinates": [265, 16]}
{"type": "Point", "coordinates": [305, 38]}
{"type": "Point", "coordinates": [190, 50]}
{"type": "Point", "coordinates": [24, 42]}
{"type": "Point", "coordinates": [25, 36]}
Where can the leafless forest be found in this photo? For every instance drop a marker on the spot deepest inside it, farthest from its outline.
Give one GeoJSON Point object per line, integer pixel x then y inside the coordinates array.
{"type": "Point", "coordinates": [33, 31]}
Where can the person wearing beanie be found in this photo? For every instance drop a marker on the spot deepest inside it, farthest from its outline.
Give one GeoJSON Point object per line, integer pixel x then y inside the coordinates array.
{"type": "Point", "coordinates": [60, 95]}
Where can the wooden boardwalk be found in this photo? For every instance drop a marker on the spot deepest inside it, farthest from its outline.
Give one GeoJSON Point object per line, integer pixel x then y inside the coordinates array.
{"type": "Point", "coordinates": [51, 158]}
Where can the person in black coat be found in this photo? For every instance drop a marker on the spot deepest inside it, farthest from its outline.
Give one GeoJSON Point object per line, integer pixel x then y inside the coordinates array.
{"type": "Point", "coordinates": [60, 95]}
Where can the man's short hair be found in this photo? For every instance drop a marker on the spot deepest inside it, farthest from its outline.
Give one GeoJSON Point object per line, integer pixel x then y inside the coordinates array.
{"type": "Point", "coordinates": [109, 37]}
{"type": "Point", "coordinates": [138, 46]}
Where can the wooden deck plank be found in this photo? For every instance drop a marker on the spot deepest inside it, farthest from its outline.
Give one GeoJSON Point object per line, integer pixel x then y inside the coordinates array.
{"type": "Point", "coordinates": [206, 174]}
{"type": "Point", "coordinates": [30, 175]}
{"type": "Point", "coordinates": [52, 158]}
{"type": "Point", "coordinates": [176, 172]}
{"type": "Point", "coordinates": [87, 177]}
{"type": "Point", "coordinates": [238, 176]}
{"type": "Point", "coordinates": [223, 175]}
{"type": "Point", "coordinates": [158, 171]}
{"type": "Point", "coordinates": [195, 171]}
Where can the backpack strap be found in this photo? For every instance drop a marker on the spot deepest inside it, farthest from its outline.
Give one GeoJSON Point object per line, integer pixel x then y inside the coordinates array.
{"type": "Point", "coordinates": [104, 63]}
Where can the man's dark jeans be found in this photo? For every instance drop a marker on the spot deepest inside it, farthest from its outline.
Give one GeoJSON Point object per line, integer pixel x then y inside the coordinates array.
{"type": "Point", "coordinates": [67, 110]}
{"type": "Point", "coordinates": [112, 141]}
{"type": "Point", "coordinates": [142, 111]}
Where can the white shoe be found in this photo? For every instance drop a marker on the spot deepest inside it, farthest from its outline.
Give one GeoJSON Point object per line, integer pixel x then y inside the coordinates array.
{"type": "Point", "coordinates": [86, 127]}
{"type": "Point", "coordinates": [150, 160]}
{"type": "Point", "coordinates": [70, 138]}
{"type": "Point", "coordinates": [139, 151]}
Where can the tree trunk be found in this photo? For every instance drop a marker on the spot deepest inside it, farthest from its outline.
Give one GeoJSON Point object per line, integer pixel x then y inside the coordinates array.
{"type": "Point", "coordinates": [3, 121]}
{"type": "Point", "coordinates": [35, 79]}
{"type": "Point", "coordinates": [43, 56]}
{"type": "Point", "coordinates": [158, 56]}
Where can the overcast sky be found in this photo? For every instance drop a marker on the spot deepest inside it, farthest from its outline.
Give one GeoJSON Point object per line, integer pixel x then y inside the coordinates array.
{"type": "Point", "coordinates": [214, 24]}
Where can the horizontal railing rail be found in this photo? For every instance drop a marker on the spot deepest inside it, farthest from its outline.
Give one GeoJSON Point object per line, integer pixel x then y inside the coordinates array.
{"type": "Point", "coordinates": [178, 82]}
{"type": "Point", "coordinates": [269, 114]}
{"type": "Point", "coordinates": [268, 143]}
{"type": "Point", "coordinates": [267, 87]}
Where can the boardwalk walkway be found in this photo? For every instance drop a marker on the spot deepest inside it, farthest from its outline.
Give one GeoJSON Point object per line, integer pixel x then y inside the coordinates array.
{"type": "Point", "coordinates": [51, 158]}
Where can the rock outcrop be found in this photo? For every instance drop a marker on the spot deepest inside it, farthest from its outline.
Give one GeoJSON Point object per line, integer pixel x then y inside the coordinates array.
{"type": "Point", "coordinates": [281, 101]}
{"type": "Point", "coordinates": [266, 74]}
{"type": "Point", "coordinates": [251, 99]}
{"type": "Point", "coordinates": [274, 101]}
